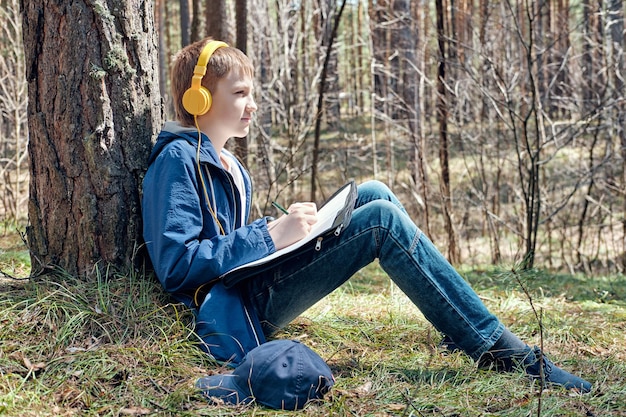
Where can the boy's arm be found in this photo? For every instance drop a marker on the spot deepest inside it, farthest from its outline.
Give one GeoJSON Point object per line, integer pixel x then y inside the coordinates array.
{"type": "Point", "coordinates": [173, 224]}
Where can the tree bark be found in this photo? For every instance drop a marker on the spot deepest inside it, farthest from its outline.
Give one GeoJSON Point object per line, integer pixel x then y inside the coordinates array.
{"type": "Point", "coordinates": [94, 105]}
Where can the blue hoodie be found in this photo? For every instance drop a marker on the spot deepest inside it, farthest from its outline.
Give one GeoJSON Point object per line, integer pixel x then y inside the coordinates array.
{"type": "Point", "coordinates": [184, 240]}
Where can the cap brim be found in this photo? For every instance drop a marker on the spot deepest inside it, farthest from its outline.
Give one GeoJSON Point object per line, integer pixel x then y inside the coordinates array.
{"type": "Point", "coordinates": [223, 387]}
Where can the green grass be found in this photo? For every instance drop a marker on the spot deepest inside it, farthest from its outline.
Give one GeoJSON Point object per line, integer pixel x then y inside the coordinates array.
{"type": "Point", "coordinates": [119, 346]}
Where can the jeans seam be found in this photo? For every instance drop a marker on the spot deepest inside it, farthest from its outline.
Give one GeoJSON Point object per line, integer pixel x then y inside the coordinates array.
{"type": "Point", "coordinates": [415, 241]}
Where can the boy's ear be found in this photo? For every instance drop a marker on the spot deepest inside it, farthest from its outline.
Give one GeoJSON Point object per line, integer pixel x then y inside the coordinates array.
{"type": "Point", "coordinates": [197, 99]}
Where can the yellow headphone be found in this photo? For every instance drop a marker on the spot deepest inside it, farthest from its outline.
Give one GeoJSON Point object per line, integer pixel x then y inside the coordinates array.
{"type": "Point", "coordinates": [197, 99]}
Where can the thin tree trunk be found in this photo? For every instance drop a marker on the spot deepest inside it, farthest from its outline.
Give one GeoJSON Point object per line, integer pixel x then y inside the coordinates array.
{"type": "Point", "coordinates": [320, 101]}
{"type": "Point", "coordinates": [442, 116]}
{"type": "Point", "coordinates": [216, 17]}
{"type": "Point", "coordinates": [196, 21]}
{"type": "Point", "coordinates": [241, 20]}
{"type": "Point", "coordinates": [185, 23]}
{"type": "Point", "coordinates": [616, 25]}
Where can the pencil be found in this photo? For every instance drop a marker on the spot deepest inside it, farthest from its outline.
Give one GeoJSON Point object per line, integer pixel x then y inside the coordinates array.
{"type": "Point", "coordinates": [279, 207]}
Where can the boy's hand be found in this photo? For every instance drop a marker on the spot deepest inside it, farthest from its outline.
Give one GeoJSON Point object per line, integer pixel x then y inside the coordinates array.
{"type": "Point", "coordinates": [292, 227]}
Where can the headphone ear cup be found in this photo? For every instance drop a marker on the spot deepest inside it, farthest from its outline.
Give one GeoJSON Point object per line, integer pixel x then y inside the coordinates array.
{"type": "Point", "coordinates": [197, 101]}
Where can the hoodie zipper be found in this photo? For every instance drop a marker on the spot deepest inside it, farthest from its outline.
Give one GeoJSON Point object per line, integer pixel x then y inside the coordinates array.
{"type": "Point", "coordinates": [238, 204]}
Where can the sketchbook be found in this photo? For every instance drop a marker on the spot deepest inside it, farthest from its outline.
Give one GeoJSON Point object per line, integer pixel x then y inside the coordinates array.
{"type": "Point", "coordinates": [332, 218]}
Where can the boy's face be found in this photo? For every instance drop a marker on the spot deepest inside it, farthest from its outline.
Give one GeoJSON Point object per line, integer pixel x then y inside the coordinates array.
{"type": "Point", "coordinates": [233, 104]}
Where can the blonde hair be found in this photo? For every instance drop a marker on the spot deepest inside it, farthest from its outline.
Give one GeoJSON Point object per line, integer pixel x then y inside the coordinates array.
{"type": "Point", "coordinates": [220, 64]}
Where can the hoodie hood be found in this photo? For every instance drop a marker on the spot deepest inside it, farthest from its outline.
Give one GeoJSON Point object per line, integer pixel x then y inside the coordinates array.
{"type": "Point", "coordinates": [173, 130]}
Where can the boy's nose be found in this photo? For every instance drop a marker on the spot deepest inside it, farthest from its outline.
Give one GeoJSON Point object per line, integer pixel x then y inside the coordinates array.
{"type": "Point", "coordinates": [252, 107]}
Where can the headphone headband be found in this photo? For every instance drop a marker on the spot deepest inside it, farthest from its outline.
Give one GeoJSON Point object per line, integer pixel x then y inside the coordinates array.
{"type": "Point", "coordinates": [208, 50]}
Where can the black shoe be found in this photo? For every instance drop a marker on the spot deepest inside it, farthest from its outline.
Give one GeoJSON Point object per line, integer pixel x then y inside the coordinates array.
{"type": "Point", "coordinates": [531, 360]}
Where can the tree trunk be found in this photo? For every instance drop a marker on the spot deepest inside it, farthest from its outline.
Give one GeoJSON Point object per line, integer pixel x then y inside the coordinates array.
{"type": "Point", "coordinates": [216, 18]}
{"type": "Point", "coordinates": [320, 102]}
{"type": "Point", "coordinates": [241, 25]}
{"type": "Point", "coordinates": [185, 23]}
{"type": "Point", "coordinates": [196, 21]}
{"type": "Point", "coordinates": [616, 25]}
{"type": "Point", "coordinates": [94, 105]}
{"type": "Point", "coordinates": [442, 116]}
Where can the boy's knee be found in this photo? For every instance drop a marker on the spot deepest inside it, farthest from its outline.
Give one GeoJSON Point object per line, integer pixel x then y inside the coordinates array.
{"type": "Point", "coordinates": [374, 190]}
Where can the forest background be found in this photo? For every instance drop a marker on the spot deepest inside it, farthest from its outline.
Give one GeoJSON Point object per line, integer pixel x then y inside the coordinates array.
{"type": "Point", "coordinates": [500, 123]}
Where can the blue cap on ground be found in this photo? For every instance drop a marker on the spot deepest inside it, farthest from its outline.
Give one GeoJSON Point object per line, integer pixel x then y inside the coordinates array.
{"type": "Point", "coordinates": [281, 374]}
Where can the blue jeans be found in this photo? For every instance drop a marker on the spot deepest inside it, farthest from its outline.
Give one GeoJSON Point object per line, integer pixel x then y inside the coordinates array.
{"type": "Point", "coordinates": [380, 228]}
